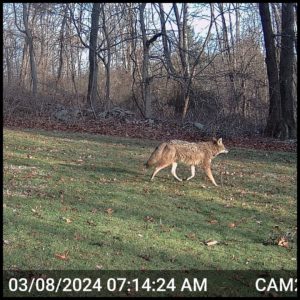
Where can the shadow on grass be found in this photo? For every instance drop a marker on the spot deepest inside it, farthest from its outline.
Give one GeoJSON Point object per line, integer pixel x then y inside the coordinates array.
{"type": "Point", "coordinates": [100, 170]}
{"type": "Point", "coordinates": [92, 137]}
{"type": "Point", "coordinates": [181, 212]}
{"type": "Point", "coordinates": [127, 240]}
{"type": "Point", "coordinates": [163, 200]}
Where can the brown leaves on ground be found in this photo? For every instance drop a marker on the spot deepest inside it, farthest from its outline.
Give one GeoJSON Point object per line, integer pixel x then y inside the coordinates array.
{"type": "Point", "coordinates": [231, 225]}
{"type": "Point", "coordinates": [78, 237]}
{"type": "Point", "coordinates": [67, 220]}
{"type": "Point", "coordinates": [283, 242]}
{"type": "Point", "coordinates": [91, 223]}
{"type": "Point", "coordinates": [282, 238]}
{"type": "Point", "coordinates": [164, 228]}
{"type": "Point", "coordinates": [213, 221]}
{"type": "Point", "coordinates": [191, 235]}
{"type": "Point", "coordinates": [145, 256]}
{"type": "Point", "coordinates": [62, 256]}
{"type": "Point", "coordinates": [99, 267]}
{"type": "Point", "coordinates": [158, 130]}
{"type": "Point", "coordinates": [210, 242]}
{"type": "Point", "coordinates": [149, 219]}
{"type": "Point", "coordinates": [109, 211]}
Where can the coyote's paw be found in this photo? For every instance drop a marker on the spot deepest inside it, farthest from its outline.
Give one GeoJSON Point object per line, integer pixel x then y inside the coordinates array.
{"type": "Point", "coordinates": [189, 178]}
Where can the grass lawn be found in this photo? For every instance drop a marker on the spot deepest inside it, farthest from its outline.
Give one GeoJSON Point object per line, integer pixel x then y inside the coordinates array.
{"type": "Point", "coordinates": [81, 201]}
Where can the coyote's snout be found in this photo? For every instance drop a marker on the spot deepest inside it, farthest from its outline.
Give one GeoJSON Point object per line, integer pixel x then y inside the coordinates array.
{"type": "Point", "coordinates": [191, 154]}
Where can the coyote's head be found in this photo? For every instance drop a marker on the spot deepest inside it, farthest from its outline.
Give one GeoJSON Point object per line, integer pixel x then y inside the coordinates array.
{"type": "Point", "coordinates": [220, 145]}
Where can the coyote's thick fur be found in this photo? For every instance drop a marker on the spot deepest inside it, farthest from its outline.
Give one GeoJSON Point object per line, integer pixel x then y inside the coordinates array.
{"type": "Point", "coordinates": [192, 154]}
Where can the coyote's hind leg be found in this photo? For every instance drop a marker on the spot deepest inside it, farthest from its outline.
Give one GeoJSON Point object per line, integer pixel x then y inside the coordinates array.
{"type": "Point", "coordinates": [157, 169]}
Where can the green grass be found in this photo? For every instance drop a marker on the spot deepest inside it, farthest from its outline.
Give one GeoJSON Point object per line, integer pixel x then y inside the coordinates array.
{"type": "Point", "coordinates": [89, 197]}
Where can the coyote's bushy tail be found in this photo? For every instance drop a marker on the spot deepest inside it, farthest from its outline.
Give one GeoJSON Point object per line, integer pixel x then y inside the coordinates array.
{"type": "Point", "coordinates": [156, 155]}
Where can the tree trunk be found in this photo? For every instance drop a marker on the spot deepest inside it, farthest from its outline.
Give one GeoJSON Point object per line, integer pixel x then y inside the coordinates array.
{"type": "Point", "coordinates": [24, 63]}
{"type": "Point", "coordinates": [61, 48]}
{"type": "Point", "coordinates": [107, 62]}
{"type": "Point", "coordinates": [93, 72]}
{"type": "Point", "coordinates": [288, 99]}
{"type": "Point", "coordinates": [31, 50]}
{"type": "Point", "coordinates": [187, 70]}
{"type": "Point", "coordinates": [184, 56]}
{"type": "Point", "coordinates": [145, 67]}
{"type": "Point", "coordinates": [273, 127]}
{"type": "Point", "coordinates": [8, 66]}
{"type": "Point", "coordinates": [167, 53]}
{"type": "Point", "coordinates": [230, 57]}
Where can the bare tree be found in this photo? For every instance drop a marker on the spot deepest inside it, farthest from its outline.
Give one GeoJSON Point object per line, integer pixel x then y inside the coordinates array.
{"type": "Point", "coordinates": [281, 121]}
{"type": "Point", "coordinates": [273, 127]}
{"type": "Point", "coordinates": [61, 45]}
{"type": "Point", "coordinates": [185, 75]}
{"type": "Point", "coordinates": [106, 54]}
{"type": "Point", "coordinates": [146, 79]}
{"type": "Point", "coordinates": [29, 41]}
{"type": "Point", "coordinates": [287, 58]}
{"type": "Point", "coordinates": [93, 74]}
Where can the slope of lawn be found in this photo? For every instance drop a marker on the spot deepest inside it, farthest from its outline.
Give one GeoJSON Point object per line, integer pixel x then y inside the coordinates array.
{"type": "Point", "coordinates": [80, 201]}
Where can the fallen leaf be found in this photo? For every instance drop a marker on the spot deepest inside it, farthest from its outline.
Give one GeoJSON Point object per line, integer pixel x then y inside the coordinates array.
{"type": "Point", "coordinates": [78, 237]}
{"type": "Point", "coordinates": [179, 192]}
{"type": "Point", "coordinates": [191, 235]}
{"type": "Point", "coordinates": [210, 242]}
{"type": "Point", "coordinates": [99, 267]}
{"type": "Point", "coordinates": [91, 223]}
{"type": "Point", "coordinates": [146, 190]}
{"type": "Point", "coordinates": [67, 220]}
{"type": "Point", "coordinates": [63, 256]}
{"type": "Point", "coordinates": [231, 225]}
{"type": "Point", "coordinates": [145, 256]}
{"type": "Point", "coordinates": [143, 268]}
{"type": "Point", "coordinates": [164, 228]}
{"type": "Point", "coordinates": [213, 222]}
{"type": "Point", "coordinates": [109, 211]}
{"type": "Point", "coordinates": [283, 242]}
{"type": "Point", "coordinates": [228, 205]}
{"type": "Point", "coordinates": [149, 219]}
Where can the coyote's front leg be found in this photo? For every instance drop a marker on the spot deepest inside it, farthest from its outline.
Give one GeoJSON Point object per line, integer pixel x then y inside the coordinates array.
{"type": "Point", "coordinates": [192, 172]}
{"type": "Point", "coordinates": [173, 171]}
{"type": "Point", "coordinates": [208, 172]}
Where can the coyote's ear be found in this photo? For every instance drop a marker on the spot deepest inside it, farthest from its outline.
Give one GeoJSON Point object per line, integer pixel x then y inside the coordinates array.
{"type": "Point", "coordinates": [220, 141]}
{"type": "Point", "coordinates": [214, 140]}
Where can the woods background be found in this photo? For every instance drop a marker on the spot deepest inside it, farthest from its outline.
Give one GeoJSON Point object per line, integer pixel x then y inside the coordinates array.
{"type": "Point", "coordinates": [227, 68]}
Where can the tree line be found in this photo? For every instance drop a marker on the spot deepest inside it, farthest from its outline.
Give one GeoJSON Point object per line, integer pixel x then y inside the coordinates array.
{"type": "Point", "coordinates": [226, 65]}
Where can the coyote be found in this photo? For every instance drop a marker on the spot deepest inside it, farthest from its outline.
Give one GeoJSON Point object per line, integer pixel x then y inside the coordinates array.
{"type": "Point", "coordinates": [191, 154]}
